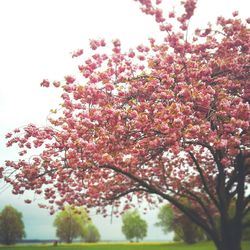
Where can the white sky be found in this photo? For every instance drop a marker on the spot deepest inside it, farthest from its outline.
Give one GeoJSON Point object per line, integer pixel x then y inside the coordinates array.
{"type": "Point", "coordinates": [36, 38]}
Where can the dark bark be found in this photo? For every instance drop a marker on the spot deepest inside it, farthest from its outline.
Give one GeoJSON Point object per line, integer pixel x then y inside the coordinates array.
{"type": "Point", "coordinates": [230, 236]}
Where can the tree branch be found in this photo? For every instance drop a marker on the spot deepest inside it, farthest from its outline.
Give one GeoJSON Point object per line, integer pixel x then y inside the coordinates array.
{"type": "Point", "coordinates": [125, 193]}
{"type": "Point", "coordinates": [203, 206]}
{"type": "Point", "coordinates": [194, 216]}
{"type": "Point", "coordinates": [203, 180]}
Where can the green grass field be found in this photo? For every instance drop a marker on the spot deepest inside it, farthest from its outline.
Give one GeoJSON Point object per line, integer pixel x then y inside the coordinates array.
{"type": "Point", "coordinates": [120, 246]}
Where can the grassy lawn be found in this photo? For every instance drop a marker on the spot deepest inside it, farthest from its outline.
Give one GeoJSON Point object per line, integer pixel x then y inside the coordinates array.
{"type": "Point", "coordinates": [120, 246]}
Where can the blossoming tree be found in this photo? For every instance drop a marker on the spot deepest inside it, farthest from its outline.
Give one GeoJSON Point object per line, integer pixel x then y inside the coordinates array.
{"type": "Point", "coordinates": [167, 120]}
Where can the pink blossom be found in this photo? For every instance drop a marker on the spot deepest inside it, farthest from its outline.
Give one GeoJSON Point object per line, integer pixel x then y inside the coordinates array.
{"type": "Point", "coordinates": [56, 84]}
{"type": "Point", "coordinates": [102, 43]}
{"type": "Point", "coordinates": [235, 13]}
{"type": "Point", "coordinates": [77, 53]}
{"type": "Point", "coordinates": [94, 44]}
{"type": "Point", "coordinates": [171, 14]}
{"type": "Point", "coordinates": [131, 53]}
{"type": "Point", "coordinates": [117, 43]}
{"type": "Point", "coordinates": [109, 86]}
{"type": "Point", "coordinates": [45, 83]}
{"type": "Point", "coordinates": [69, 79]}
{"type": "Point", "coordinates": [8, 135]}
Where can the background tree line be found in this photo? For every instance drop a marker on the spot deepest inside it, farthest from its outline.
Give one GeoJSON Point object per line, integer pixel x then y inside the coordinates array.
{"type": "Point", "coordinates": [72, 223]}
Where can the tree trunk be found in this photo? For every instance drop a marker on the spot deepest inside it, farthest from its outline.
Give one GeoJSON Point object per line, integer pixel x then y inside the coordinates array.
{"type": "Point", "coordinates": [230, 237]}
{"type": "Point", "coordinates": [229, 244]}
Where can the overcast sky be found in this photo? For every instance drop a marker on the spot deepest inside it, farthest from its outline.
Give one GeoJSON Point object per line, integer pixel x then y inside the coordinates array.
{"type": "Point", "coordinates": [37, 38]}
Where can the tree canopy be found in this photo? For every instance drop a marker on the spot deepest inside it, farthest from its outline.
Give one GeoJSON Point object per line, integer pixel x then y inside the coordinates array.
{"type": "Point", "coordinates": [169, 118]}
{"type": "Point", "coordinates": [11, 226]}
{"type": "Point", "coordinates": [91, 233]}
{"type": "Point", "coordinates": [133, 226]}
{"type": "Point", "coordinates": [70, 223]}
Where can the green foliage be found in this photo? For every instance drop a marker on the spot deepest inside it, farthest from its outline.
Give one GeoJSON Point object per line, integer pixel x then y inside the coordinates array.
{"type": "Point", "coordinates": [11, 226]}
{"type": "Point", "coordinates": [165, 219]}
{"type": "Point", "coordinates": [184, 229]}
{"type": "Point", "coordinates": [70, 223]}
{"type": "Point", "coordinates": [91, 233]}
{"type": "Point", "coordinates": [134, 226]}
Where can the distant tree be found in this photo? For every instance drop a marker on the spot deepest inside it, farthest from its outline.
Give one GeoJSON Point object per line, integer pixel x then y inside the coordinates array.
{"type": "Point", "coordinates": [11, 226]}
{"type": "Point", "coordinates": [70, 223]}
{"type": "Point", "coordinates": [186, 230]}
{"type": "Point", "coordinates": [91, 233]}
{"type": "Point", "coordinates": [166, 219]}
{"type": "Point", "coordinates": [134, 226]}
{"type": "Point", "coordinates": [183, 228]}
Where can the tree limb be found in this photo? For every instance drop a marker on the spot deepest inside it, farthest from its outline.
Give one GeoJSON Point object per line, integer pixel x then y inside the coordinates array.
{"type": "Point", "coordinates": [203, 180]}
